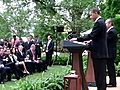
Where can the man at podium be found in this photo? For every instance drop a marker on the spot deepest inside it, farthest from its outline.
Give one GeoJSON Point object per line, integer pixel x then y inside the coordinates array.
{"type": "Point", "coordinates": [98, 47]}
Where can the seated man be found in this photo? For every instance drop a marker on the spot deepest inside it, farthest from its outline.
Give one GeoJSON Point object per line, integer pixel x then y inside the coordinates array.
{"type": "Point", "coordinates": [38, 64]}
{"type": "Point", "coordinates": [4, 70]}
{"type": "Point", "coordinates": [10, 62]}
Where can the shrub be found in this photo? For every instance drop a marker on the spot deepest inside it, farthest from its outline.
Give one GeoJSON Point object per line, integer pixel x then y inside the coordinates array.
{"type": "Point", "coordinates": [53, 82]}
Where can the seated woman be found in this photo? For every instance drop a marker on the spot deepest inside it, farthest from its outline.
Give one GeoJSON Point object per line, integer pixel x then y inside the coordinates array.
{"type": "Point", "coordinates": [13, 52]}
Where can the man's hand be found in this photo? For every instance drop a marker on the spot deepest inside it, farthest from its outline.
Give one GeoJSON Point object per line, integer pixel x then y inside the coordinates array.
{"type": "Point", "coordinates": [46, 50]}
{"type": "Point", "coordinates": [73, 39]}
{"type": "Point", "coordinates": [87, 42]}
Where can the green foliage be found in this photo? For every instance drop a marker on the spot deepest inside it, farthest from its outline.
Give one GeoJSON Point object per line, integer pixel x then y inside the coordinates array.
{"type": "Point", "coordinates": [78, 11]}
{"type": "Point", "coordinates": [53, 82]}
{"type": "Point", "coordinates": [116, 22]}
{"type": "Point", "coordinates": [111, 10]}
{"type": "Point", "coordinates": [66, 60]}
{"type": "Point", "coordinates": [4, 29]}
{"type": "Point", "coordinates": [18, 16]}
{"type": "Point", "coordinates": [117, 68]}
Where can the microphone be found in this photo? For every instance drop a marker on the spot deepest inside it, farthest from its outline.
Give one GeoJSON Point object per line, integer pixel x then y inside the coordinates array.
{"type": "Point", "coordinates": [70, 35]}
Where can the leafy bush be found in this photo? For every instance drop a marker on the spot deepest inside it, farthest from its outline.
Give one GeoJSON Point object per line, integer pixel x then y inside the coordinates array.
{"type": "Point", "coordinates": [53, 82]}
{"type": "Point", "coordinates": [117, 67]}
{"type": "Point", "coordinates": [65, 60]}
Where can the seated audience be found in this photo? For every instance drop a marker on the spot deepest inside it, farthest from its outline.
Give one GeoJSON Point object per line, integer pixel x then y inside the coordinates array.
{"type": "Point", "coordinates": [4, 70]}
{"type": "Point", "coordinates": [21, 58]}
{"type": "Point", "coordinates": [10, 62]}
{"type": "Point", "coordinates": [38, 64]}
{"type": "Point", "coordinates": [19, 63]}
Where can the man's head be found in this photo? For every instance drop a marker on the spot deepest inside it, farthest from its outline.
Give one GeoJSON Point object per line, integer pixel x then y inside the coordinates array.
{"type": "Point", "coordinates": [14, 36]}
{"type": "Point", "coordinates": [94, 13]}
{"type": "Point", "coordinates": [49, 37]}
{"type": "Point", "coordinates": [31, 37]}
{"type": "Point", "coordinates": [20, 47]}
{"type": "Point", "coordinates": [20, 40]}
{"type": "Point", "coordinates": [36, 37]}
{"type": "Point", "coordinates": [109, 22]}
{"type": "Point", "coordinates": [32, 47]}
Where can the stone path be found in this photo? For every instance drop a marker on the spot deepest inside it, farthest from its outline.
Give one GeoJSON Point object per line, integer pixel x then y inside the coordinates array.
{"type": "Point", "coordinates": [110, 88]}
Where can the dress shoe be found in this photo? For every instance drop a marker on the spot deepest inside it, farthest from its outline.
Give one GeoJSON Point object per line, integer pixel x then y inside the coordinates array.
{"type": "Point", "coordinates": [110, 85]}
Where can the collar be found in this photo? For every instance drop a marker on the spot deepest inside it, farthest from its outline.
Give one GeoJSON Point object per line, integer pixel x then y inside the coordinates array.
{"type": "Point", "coordinates": [109, 28]}
{"type": "Point", "coordinates": [97, 19]}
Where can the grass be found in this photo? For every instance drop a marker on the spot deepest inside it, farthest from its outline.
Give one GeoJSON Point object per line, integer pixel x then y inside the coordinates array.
{"type": "Point", "coordinates": [35, 76]}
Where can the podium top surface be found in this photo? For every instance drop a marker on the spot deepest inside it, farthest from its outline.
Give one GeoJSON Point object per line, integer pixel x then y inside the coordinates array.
{"type": "Point", "coordinates": [67, 44]}
{"type": "Point", "coordinates": [75, 47]}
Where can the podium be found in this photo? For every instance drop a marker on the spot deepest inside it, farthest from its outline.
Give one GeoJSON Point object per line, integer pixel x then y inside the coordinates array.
{"type": "Point", "coordinates": [77, 65]}
{"type": "Point", "coordinates": [90, 77]}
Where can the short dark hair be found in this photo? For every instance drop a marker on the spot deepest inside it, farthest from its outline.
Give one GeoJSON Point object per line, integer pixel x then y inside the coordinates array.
{"type": "Point", "coordinates": [31, 35]}
{"type": "Point", "coordinates": [36, 36]}
{"type": "Point", "coordinates": [20, 38]}
{"type": "Point", "coordinates": [94, 10]}
{"type": "Point", "coordinates": [14, 35]}
{"type": "Point", "coordinates": [50, 36]}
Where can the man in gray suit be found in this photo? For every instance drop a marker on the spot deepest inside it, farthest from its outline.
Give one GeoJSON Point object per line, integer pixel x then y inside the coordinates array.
{"type": "Point", "coordinates": [98, 47]}
{"type": "Point", "coordinates": [111, 44]}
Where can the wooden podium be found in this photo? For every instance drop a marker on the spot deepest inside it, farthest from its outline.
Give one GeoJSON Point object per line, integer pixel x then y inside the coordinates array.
{"type": "Point", "coordinates": [90, 77]}
{"type": "Point", "coordinates": [77, 64]}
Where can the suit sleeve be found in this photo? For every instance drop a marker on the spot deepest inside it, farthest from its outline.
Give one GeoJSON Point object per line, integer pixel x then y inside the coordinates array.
{"type": "Point", "coordinates": [95, 31]}
{"type": "Point", "coordinates": [52, 46]}
{"type": "Point", "coordinates": [110, 35]}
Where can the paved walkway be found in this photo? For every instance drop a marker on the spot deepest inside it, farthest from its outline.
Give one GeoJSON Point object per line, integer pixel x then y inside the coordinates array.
{"type": "Point", "coordinates": [110, 88]}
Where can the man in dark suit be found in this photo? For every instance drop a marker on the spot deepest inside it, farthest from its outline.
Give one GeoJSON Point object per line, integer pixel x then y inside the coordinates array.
{"type": "Point", "coordinates": [49, 50]}
{"type": "Point", "coordinates": [28, 43]}
{"type": "Point", "coordinates": [37, 63]}
{"type": "Point", "coordinates": [10, 62]}
{"type": "Point", "coordinates": [4, 70]}
{"type": "Point", "coordinates": [111, 44]}
{"type": "Point", "coordinates": [98, 48]}
{"type": "Point", "coordinates": [38, 44]}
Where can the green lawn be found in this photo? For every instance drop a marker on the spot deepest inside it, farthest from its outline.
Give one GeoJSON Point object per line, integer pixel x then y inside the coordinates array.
{"type": "Point", "coordinates": [35, 76]}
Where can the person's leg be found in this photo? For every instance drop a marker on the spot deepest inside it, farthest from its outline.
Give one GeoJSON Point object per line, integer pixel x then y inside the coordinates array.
{"type": "Point", "coordinates": [2, 75]}
{"type": "Point", "coordinates": [25, 69]}
{"type": "Point", "coordinates": [15, 71]}
{"type": "Point", "coordinates": [100, 73]}
{"type": "Point", "coordinates": [50, 59]}
{"type": "Point", "coordinates": [47, 58]}
{"type": "Point", "coordinates": [29, 66]}
{"type": "Point", "coordinates": [111, 72]}
{"type": "Point", "coordinates": [8, 73]}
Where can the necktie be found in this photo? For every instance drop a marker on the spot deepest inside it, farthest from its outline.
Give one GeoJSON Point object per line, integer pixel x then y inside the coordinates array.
{"type": "Point", "coordinates": [33, 55]}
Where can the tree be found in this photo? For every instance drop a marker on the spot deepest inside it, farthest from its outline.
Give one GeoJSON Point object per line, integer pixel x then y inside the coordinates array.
{"type": "Point", "coordinates": [18, 15]}
{"type": "Point", "coordinates": [4, 29]}
{"type": "Point", "coordinates": [73, 14]}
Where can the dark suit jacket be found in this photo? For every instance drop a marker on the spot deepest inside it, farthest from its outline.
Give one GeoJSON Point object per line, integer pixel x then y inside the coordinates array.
{"type": "Point", "coordinates": [27, 46]}
{"type": "Point", "coordinates": [50, 47]}
{"type": "Point", "coordinates": [111, 42]}
{"type": "Point", "coordinates": [99, 40]}
{"type": "Point", "coordinates": [38, 44]}
{"type": "Point", "coordinates": [29, 52]}
{"type": "Point", "coordinates": [1, 61]}
{"type": "Point", "coordinates": [19, 56]}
